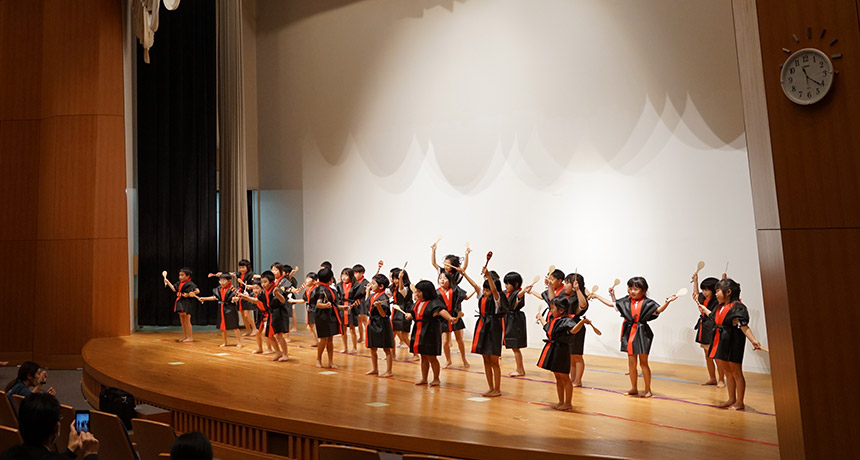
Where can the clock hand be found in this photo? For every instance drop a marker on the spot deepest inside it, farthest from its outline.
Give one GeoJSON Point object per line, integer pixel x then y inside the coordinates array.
{"type": "Point", "coordinates": [808, 77]}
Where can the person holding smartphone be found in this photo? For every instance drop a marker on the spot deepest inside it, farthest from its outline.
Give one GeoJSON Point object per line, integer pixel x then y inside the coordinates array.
{"type": "Point", "coordinates": [39, 425]}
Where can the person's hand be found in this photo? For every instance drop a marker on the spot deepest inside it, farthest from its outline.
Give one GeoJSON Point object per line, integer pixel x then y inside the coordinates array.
{"type": "Point", "coordinates": [408, 316]}
{"type": "Point", "coordinates": [756, 346]}
{"type": "Point", "coordinates": [433, 246]}
{"type": "Point", "coordinates": [575, 285]}
{"type": "Point", "coordinates": [695, 279]}
{"type": "Point", "coordinates": [89, 445]}
{"type": "Point", "coordinates": [74, 439]}
{"type": "Point", "coordinates": [468, 250]}
{"type": "Point", "coordinates": [612, 291]}
{"type": "Point", "coordinates": [485, 272]}
{"type": "Point", "coordinates": [52, 391]}
{"type": "Point", "coordinates": [528, 289]}
{"type": "Point", "coordinates": [546, 281]}
{"type": "Point", "coordinates": [672, 298]}
{"type": "Point", "coordinates": [591, 296]}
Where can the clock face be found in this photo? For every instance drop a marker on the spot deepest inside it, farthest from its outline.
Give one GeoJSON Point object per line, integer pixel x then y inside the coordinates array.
{"type": "Point", "coordinates": [807, 76]}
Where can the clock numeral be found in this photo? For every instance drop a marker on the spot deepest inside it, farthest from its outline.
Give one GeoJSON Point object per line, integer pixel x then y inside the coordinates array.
{"type": "Point", "coordinates": [793, 89]}
{"type": "Point", "coordinates": [791, 79]}
{"type": "Point", "coordinates": [821, 64]}
{"type": "Point", "coordinates": [805, 58]}
{"type": "Point", "coordinates": [817, 90]}
{"type": "Point", "coordinates": [809, 95]}
{"type": "Point", "coordinates": [826, 73]}
{"type": "Point", "coordinates": [791, 70]}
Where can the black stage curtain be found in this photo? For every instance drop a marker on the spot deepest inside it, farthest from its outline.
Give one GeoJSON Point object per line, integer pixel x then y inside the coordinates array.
{"type": "Point", "coordinates": [176, 162]}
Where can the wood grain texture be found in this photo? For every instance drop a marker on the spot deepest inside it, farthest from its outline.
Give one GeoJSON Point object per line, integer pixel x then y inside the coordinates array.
{"type": "Point", "coordinates": [19, 189]}
{"type": "Point", "coordinates": [16, 329]}
{"type": "Point", "coordinates": [297, 406]}
{"type": "Point", "coordinates": [20, 59]}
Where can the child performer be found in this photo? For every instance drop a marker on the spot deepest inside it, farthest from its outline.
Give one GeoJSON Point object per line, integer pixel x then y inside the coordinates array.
{"type": "Point", "coordinates": [328, 323]}
{"type": "Point", "coordinates": [732, 329]}
{"type": "Point", "coordinates": [705, 325]}
{"type": "Point", "coordinates": [452, 262]}
{"type": "Point", "coordinates": [574, 290]}
{"type": "Point", "coordinates": [228, 305]}
{"type": "Point", "coordinates": [452, 296]}
{"type": "Point", "coordinates": [185, 291]}
{"type": "Point", "coordinates": [487, 340]}
{"type": "Point", "coordinates": [304, 295]}
{"type": "Point", "coordinates": [555, 356]}
{"type": "Point", "coordinates": [554, 286]}
{"type": "Point", "coordinates": [275, 324]}
{"type": "Point", "coordinates": [263, 318]}
{"type": "Point", "coordinates": [283, 275]}
{"type": "Point", "coordinates": [401, 304]}
{"type": "Point", "coordinates": [636, 335]}
{"type": "Point", "coordinates": [247, 309]}
{"type": "Point", "coordinates": [347, 296]}
{"type": "Point", "coordinates": [379, 331]}
{"type": "Point", "coordinates": [514, 322]}
{"type": "Point", "coordinates": [426, 334]}
{"type": "Point", "coordinates": [361, 309]}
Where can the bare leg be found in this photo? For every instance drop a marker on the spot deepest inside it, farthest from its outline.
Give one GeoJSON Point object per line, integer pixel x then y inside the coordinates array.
{"type": "Point", "coordinates": [259, 349]}
{"type": "Point", "coordinates": [295, 321]}
{"type": "Point", "coordinates": [277, 346]}
{"type": "Point", "coordinates": [320, 349]}
{"type": "Point", "coordinates": [646, 374]}
{"type": "Point", "coordinates": [566, 393]}
{"type": "Point", "coordinates": [559, 389]}
{"type": "Point", "coordinates": [223, 339]}
{"type": "Point", "coordinates": [238, 338]}
{"type": "Point", "coordinates": [434, 364]}
{"type": "Point", "coordinates": [488, 373]}
{"type": "Point", "coordinates": [425, 368]}
{"type": "Point", "coordinates": [354, 339]}
{"type": "Point", "coordinates": [446, 348]}
{"type": "Point", "coordinates": [184, 328]}
{"type": "Point", "coordinates": [634, 376]}
{"type": "Point", "coordinates": [722, 376]}
{"type": "Point", "coordinates": [577, 368]}
{"type": "Point", "coordinates": [459, 336]}
{"type": "Point", "coordinates": [313, 329]}
{"type": "Point", "coordinates": [374, 359]}
{"type": "Point", "coordinates": [730, 383]}
{"type": "Point", "coordinates": [497, 376]}
{"type": "Point", "coordinates": [389, 362]}
{"type": "Point", "coordinates": [518, 357]}
{"type": "Point", "coordinates": [712, 370]}
{"type": "Point", "coordinates": [329, 348]}
{"type": "Point", "coordinates": [737, 372]}
{"type": "Point", "coordinates": [282, 342]}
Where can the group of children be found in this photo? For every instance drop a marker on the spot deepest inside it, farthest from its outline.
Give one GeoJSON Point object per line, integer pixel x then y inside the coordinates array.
{"type": "Point", "coordinates": [425, 317]}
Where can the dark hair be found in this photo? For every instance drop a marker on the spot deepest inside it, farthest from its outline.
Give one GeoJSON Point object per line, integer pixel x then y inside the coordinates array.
{"type": "Point", "coordinates": [395, 273]}
{"type": "Point", "coordinates": [449, 276]}
{"type": "Point", "coordinates": [348, 272]}
{"type": "Point", "coordinates": [268, 275]}
{"type": "Point", "coordinates": [454, 260]}
{"type": "Point", "coordinates": [381, 280]}
{"type": "Point", "coordinates": [325, 275]}
{"type": "Point", "coordinates": [24, 372]}
{"type": "Point", "coordinates": [428, 291]}
{"type": "Point", "coordinates": [38, 417]}
{"type": "Point", "coordinates": [193, 445]}
{"type": "Point", "coordinates": [280, 268]}
{"type": "Point", "coordinates": [709, 284]}
{"type": "Point", "coordinates": [514, 279]}
{"type": "Point", "coordinates": [557, 274]}
{"type": "Point", "coordinates": [563, 303]}
{"type": "Point", "coordinates": [325, 264]}
{"type": "Point", "coordinates": [727, 285]}
{"type": "Point", "coordinates": [312, 275]}
{"type": "Point", "coordinates": [288, 269]}
{"type": "Point", "coordinates": [245, 263]}
{"type": "Point", "coordinates": [293, 281]}
{"type": "Point", "coordinates": [186, 270]}
{"type": "Point", "coordinates": [579, 279]}
{"type": "Point", "coordinates": [639, 282]}
{"type": "Point", "coordinates": [358, 268]}
{"type": "Point", "coordinates": [495, 280]}
{"type": "Point", "coordinates": [226, 276]}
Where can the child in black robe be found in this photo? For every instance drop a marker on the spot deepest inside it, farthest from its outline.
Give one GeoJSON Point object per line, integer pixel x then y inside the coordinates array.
{"type": "Point", "coordinates": [705, 326]}
{"type": "Point", "coordinates": [360, 306]}
{"type": "Point", "coordinates": [451, 264]}
{"type": "Point", "coordinates": [186, 296]}
{"type": "Point", "coordinates": [487, 340]}
{"type": "Point", "coordinates": [348, 304]}
{"type": "Point", "coordinates": [379, 331]}
{"type": "Point", "coordinates": [636, 335]}
{"type": "Point", "coordinates": [555, 356]}
{"type": "Point", "coordinates": [426, 333]}
{"type": "Point", "coordinates": [731, 319]}
{"type": "Point", "coordinates": [574, 290]}
{"type": "Point", "coordinates": [272, 299]}
{"type": "Point", "coordinates": [229, 308]}
{"type": "Point", "coordinates": [514, 322]}
{"type": "Point", "coordinates": [401, 304]}
{"type": "Point", "coordinates": [452, 297]}
{"type": "Point", "coordinates": [328, 322]}
{"type": "Point", "coordinates": [554, 282]}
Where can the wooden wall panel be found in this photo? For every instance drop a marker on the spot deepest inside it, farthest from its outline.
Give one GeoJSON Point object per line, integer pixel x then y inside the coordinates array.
{"type": "Point", "coordinates": [19, 155]}
{"type": "Point", "coordinates": [66, 178]}
{"type": "Point", "coordinates": [109, 179]}
{"type": "Point", "coordinates": [109, 306]}
{"type": "Point", "coordinates": [16, 328]}
{"type": "Point", "coordinates": [20, 59]}
{"type": "Point", "coordinates": [810, 144]}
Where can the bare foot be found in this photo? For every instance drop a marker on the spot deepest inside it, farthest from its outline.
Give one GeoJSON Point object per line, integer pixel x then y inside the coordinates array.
{"type": "Point", "coordinates": [421, 382]}
{"type": "Point", "coordinates": [315, 344]}
{"type": "Point", "coordinates": [268, 352]}
{"type": "Point", "coordinates": [577, 384]}
{"type": "Point", "coordinates": [239, 345]}
{"type": "Point", "coordinates": [486, 393]}
{"type": "Point", "coordinates": [710, 382]}
{"type": "Point", "coordinates": [721, 384]}
{"type": "Point", "coordinates": [222, 345]}
{"type": "Point", "coordinates": [331, 366]}
{"type": "Point", "coordinates": [355, 350]}
{"type": "Point", "coordinates": [415, 358]}
{"type": "Point", "coordinates": [517, 374]}
{"type": "Point", "coordinates": [448, 365]}
{"type": "Point", "coordinates": [435, 383]}
{"type": "Point", "coordinates": [555, 405]}
{"type": "Point", "coordinates": [736, 407]}
{"type": "Point", "coordinates": [246, 334]}
{"type": "Point", "coordinates": [319, 364]}
{"type": "Point", "coordinates": [293, 329]}
{"type": "Point", "coordinates": [627, 373]}
{"type": "Point", "coordinates": [466, 365]}
{"type": "Point", "coordinates": [494, 394]}
{"type": "Point", "coordinates": [564, 407]}
{"type": "Point", "coordinates": [344, 351]}
{"type": "Point", "coordinates": [647, 394]}
{"type": "Point", "coordinates": [403, 345]}
{"type": "Point", "coordinates": [257, 352]}
{"type": "Point", "coordinates": [387, 374]}
{"type": "Point", "coordinates": [372, 372]}
{"type": "Point", "coordinates": [361, 340]}
{"type": "Point", "coordinates": [728, 403]}
{"type": "Point", "coordinates": [289, 340]}
{"type": "Point", "coordinates": [284, 359]}
{"type": "Point", "coordinates": [632, 392]}
{"type": "Point", "coordinates": [277, 357]}
{"type": "Point", "coordinates": [187, 339]}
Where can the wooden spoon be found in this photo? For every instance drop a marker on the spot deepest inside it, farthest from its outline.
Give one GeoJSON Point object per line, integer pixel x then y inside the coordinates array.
{"type": "Point", "coordinates": [489, 256]}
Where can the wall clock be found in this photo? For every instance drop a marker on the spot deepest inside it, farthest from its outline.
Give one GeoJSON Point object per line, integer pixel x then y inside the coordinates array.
{"type": "Point", "coordinates": [807, 75]}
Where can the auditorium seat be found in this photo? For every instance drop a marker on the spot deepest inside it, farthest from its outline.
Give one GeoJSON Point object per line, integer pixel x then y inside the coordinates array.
{"type": "Point", "coordinates": [7, 414]}
{"type": "Point", "coordinates": [333, 452]}
{"type": "Point", "coordinates": [152, 438]}
{"type": "Point", "coordinates": [425, 457]}
{"type": "Point", "coordinates": [114, 443]}
{"type": "Point", "coordinates": [16, 402]}
{"type": "Point", "coordinates": [67, 416]}
{"type": "Point", "coordinates": [9, 437]}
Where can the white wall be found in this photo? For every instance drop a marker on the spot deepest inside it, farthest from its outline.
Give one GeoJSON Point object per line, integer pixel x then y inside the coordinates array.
{"type": "Point", "coordinates": [600, 135]}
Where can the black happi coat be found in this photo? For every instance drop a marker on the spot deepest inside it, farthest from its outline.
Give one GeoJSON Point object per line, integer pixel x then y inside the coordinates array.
{"type": "Point", "coordinates": [426, 332]}
{"type": "Point", "coordinates": [328, 322]}
{"type": "Point", "coordinates": [379, 331]}
{"type": "Point", "coordinates": [729, 340]}
{"type": "Point", "coordinates": [514, 322]}
{"type": "Point", "coordinates": [488, 329]}
{"type": "Point", "coordinates": [555, 356]}
{"type": "Point", "coordinates": [636, 334]}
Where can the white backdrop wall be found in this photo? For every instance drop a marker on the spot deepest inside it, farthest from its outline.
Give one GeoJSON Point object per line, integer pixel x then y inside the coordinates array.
{"type": "Point", "coordinates": [604, 136]}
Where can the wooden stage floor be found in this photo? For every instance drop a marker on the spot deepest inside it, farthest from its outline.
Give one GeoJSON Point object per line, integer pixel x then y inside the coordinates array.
{"type": "Point", "coordinates": [296, 398]}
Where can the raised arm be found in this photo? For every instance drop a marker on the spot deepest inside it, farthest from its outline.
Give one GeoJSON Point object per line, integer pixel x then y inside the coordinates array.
{"type": "Point", "coordinates": [210, 298]}
{"type": "Point", "coordinates": [462, 270]}
{"type": "Point", "coordinates": [702, 309]}
{"type": "Point", "coordinates": [167, 283]}
{"type": "Point", "coordinates": [580, 297]}
{"type": "Point", "coordinates": [695, 281]}
{"type": "Point", "coordinates": [279, 295]}
{"type": "Point", "coordinates": [749, 333]}
{"type": "Point", "coordinates": [466, 257]}
{"type": "Point", "coordinates": [491, 282]}
{"type": "Point", "coordinates": [609, 304]}
{"type": "Point", "coordinates": [433, 256]}
{"type": "Point", "coordinates": [669, 300]}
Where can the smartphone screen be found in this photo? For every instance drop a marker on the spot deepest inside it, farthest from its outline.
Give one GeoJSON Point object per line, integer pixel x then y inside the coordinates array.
{"type": "Point", "coordinates": [82, 421]}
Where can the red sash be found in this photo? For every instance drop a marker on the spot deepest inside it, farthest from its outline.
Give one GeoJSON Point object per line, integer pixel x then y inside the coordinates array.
{"type": "Point", "coordinates": [548, 344]}
{"type": "Point", "coordinates": [223, 299]}
{"type": "Point", "coordinates": [719, 318]}
{"type": "Point", "coordinates": [480, 325]}
{"type": "Point", "coordinates": [178, 294]}
{"type": "Point", "coordinates": [346, 288]}
{"type": "Point", "coordinates": [418, 313]}
{"type": "Point", "coordinates": [635, 311]}
{"type": "Point", "coordinates": [448, 297]}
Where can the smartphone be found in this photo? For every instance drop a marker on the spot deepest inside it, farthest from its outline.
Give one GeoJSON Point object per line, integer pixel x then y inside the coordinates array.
{"type": "Point", "coordinates": [82, 421]}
